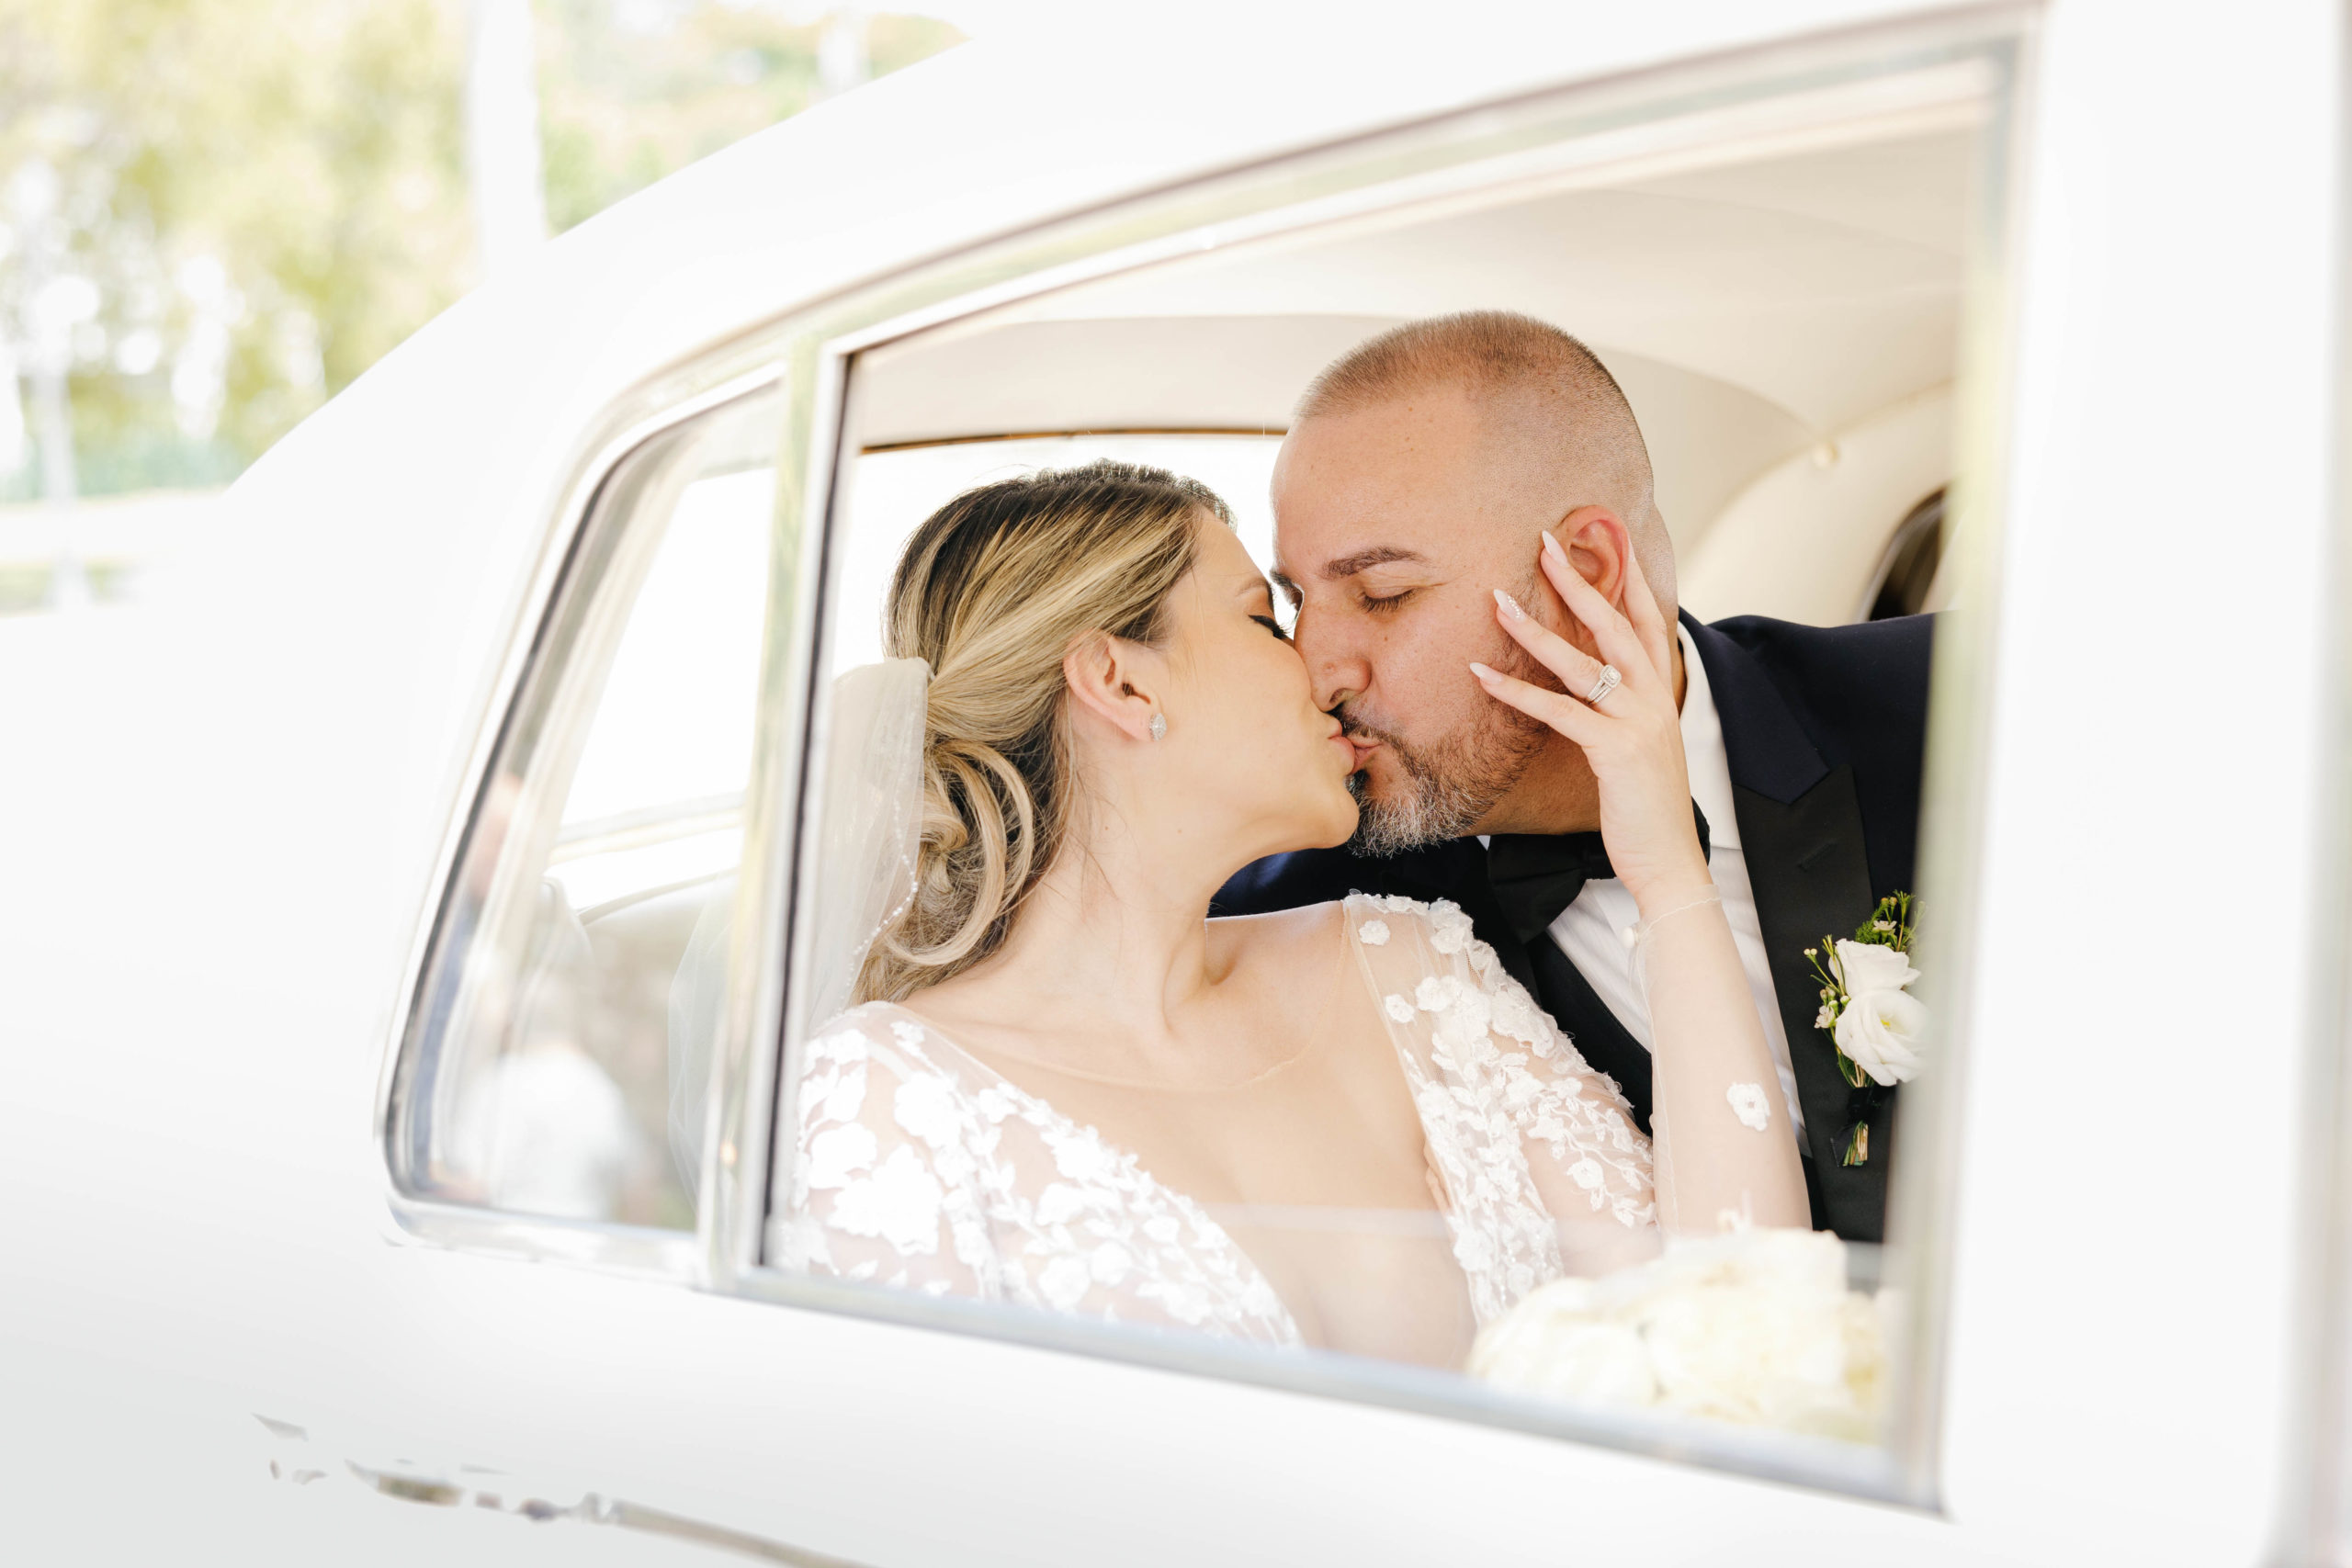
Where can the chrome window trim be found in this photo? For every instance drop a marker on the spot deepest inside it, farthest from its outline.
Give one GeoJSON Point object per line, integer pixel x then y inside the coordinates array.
{"type": "Point", "coordinates": [657, 406]}
{"type": "Point", "coordinates": [1469, 156]}
{"type": "Point", "coordinates": [2315, 1487]}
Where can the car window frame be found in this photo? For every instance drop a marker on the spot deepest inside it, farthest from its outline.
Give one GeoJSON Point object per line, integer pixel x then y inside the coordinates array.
{"type": "Point", "coordinates": [1466, 154]}
{"type": "Point", "coordinates": [585, 533]}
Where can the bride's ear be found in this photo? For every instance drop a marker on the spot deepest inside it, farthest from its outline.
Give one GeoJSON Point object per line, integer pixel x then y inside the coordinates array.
{"type": "Point", "coordinates": [1112, 681]}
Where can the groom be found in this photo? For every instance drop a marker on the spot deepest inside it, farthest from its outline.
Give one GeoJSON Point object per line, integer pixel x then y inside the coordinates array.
{"type": "Point", "coordinates": [1414, 479]}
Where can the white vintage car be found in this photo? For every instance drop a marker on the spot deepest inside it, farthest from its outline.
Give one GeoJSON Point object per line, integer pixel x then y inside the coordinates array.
{"type": "Point", "coordinates": [405, 922]}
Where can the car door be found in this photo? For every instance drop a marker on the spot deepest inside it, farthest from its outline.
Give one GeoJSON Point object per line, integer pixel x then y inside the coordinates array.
{"type": "Point", "coordinates": [504, 1319]}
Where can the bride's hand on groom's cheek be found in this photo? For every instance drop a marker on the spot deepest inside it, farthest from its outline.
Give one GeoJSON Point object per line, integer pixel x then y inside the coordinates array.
{"type": "Point", "coordinates": [1633, 738]}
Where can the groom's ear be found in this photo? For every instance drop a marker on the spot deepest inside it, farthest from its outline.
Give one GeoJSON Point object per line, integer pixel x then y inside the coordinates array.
{"type": "Point", "coordinates": [1599, 546]}
{"type": "Point", "coordinates": [1109, 683]}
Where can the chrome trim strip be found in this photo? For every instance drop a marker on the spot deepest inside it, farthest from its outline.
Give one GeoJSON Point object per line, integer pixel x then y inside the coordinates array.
{"type": "Point", "coordinates": [1953, 782]}
{"type": "Point", "coordinates": [2314, 1503]}
{"type": "Point", "coordinates": [1268, 432]}
{"type": "Point", "coordinates": [1816, 1462]}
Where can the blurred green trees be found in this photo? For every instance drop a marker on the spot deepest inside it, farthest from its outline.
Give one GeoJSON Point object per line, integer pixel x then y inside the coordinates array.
{"type": "Point", "coordinates": [255, 199]}
{"type": "Point", "coordinates": [267, 194]}
{"type": "Point", "coordinates": [630, 91]}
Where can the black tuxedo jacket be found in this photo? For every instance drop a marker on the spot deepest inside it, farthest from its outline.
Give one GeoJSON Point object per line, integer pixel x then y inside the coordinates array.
{"type": "Point", "coordinates": [1824, 728]}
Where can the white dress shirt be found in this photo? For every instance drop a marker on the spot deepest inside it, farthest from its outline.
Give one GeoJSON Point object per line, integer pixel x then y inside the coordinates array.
{"type": "Point", "coordinates": [1591, 931]}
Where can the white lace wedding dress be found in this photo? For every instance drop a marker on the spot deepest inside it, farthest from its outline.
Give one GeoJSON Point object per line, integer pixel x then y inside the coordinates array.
{"type": "Point", "coordinates": [918, 1166]}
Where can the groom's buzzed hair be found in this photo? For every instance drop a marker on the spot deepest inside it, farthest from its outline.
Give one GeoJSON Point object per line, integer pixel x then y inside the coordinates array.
{"type": "Point", "coordinates": [1552, 396]}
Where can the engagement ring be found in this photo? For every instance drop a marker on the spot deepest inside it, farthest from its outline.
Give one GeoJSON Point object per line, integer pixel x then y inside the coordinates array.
{"type": "Point", "coordinates": [1602, 687]}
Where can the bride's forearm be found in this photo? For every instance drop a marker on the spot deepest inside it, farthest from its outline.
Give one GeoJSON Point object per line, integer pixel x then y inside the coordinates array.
{"type": "Point", "coordinates": [1713, 1075]}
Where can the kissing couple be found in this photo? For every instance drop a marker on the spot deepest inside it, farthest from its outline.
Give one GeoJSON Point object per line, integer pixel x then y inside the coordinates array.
{"type": "Point", "coordinates": [1342, 987]}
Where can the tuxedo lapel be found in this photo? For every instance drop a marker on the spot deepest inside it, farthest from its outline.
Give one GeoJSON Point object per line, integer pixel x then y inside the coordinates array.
{"type": "Point", "coordinates": [1801, 833]}
{"type": "Point", "coordinates": [1812, 878]}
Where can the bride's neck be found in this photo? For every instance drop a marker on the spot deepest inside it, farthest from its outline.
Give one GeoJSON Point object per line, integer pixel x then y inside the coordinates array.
{"type": "Point", "coordinates": [1117, 929]}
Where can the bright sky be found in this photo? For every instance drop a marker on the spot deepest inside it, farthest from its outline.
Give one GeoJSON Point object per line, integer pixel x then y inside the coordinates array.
{"type": "Point", "coordinates": [978, 19]}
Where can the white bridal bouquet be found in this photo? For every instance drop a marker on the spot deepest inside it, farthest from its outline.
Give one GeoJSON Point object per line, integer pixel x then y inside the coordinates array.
{"type": "Point", "coordinates": [1753, 1326]}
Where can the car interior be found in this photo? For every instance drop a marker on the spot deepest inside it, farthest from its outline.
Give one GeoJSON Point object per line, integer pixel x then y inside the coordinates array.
{"type": "Point", "coordinates": [1783, 315]}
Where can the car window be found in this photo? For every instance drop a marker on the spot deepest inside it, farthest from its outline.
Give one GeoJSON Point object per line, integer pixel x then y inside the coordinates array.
{"type": "Point", "coordinates": [557, 1063]}
{"type": "Point", "coordinates": [1789, 345]}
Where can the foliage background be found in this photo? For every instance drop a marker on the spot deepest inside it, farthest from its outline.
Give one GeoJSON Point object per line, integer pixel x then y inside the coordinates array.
{"type": "Point", "coordinates": [265, 196]}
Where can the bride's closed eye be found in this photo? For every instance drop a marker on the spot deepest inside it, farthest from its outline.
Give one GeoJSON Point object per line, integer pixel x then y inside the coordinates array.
{"type": "Point", "coordinates": [1273, 625]}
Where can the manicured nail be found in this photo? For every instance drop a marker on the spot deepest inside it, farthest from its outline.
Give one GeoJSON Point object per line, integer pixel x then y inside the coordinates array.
{"type": "Point", "coordinates": [1510, 605]}
{"type": "Point", "coordinates": [1480, 671]}
{"type": "Point", "coordinates": [1551, 548]}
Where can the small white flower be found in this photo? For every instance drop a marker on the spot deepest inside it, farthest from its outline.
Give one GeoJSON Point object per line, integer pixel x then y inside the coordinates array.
{"type": "Point", "coordinates": [926, 1107]}
{"type": "Point", "coordinates": [1881, 1028]}
{"type": "Point", "coordinates": [1435, 993]}
{"type": "Point", "coordinates": [1059, 1203]}
{"type": "Point", "coordinates": [1450, 929]}
{"type": "Point", "coordinates": [1083, 1159]}
{"type": "Point", "coordinates": [1373, 933]}
{"type": "Point", "coordinates": [1587, 1173]}
{"type": "Point", "coordinates": [849, 1046]}
{"type": "Point", "coordinates": [1826, 1017]}
{"type": "Point", "coordinates": [1883, 925]}
{"type": "Point", "coordinates": [1399, 1009]}
{"type": "Point", "coordinates": [1747, 1104]}
{"type": "Point", "coordinates": [846, 1097]}
{"type": "Point", "coordinates": [1187, 1302]}
{"type": "Point", "coordinates": [1064, 1282]}
{"type": "Point", "coordinates": [1866, 966]}
{"type": "Point", "coordinates": [1516, 1016]}
{"type": "Point", "coordinates": [838, 1153]}
{"type": "Point", "coordinates": [899, 1202]}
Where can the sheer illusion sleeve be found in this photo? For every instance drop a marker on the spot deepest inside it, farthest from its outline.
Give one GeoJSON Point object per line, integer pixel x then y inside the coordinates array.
{"type": "Point", "coordinates": [885, 1185]}
{"type": "Point", "coordinates": [1544, 1170]}
{"type": "Point", "coordinates": [914, 1165]}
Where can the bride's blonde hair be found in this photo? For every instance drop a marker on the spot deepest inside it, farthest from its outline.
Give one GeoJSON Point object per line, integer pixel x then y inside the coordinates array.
{"type": "Point", "coordinates": [992, 591]}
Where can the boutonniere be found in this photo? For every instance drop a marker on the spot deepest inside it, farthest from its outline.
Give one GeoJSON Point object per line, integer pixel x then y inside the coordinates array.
{"type": "Point", "coordinates": [1868, 1009]}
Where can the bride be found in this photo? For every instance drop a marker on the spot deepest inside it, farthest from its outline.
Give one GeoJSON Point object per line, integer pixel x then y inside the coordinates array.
{"type": "Point", "coordinates": [1065, 1086]}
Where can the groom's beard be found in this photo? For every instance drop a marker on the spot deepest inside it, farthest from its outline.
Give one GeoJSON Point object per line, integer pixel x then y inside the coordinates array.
{"type": "Point", "coordinates": [1448, 785]}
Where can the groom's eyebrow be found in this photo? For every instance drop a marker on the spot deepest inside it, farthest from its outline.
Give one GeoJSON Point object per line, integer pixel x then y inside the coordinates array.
{"type": "Point", "coordinates": [1364, 560]}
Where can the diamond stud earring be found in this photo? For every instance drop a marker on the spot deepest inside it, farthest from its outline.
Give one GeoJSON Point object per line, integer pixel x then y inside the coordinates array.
{"type": "Point", "coordinates": [1160, 726]}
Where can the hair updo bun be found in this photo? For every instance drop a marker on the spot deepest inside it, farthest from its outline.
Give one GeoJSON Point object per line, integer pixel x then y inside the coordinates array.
{"type": "Point", "coordinates": [991, 592]}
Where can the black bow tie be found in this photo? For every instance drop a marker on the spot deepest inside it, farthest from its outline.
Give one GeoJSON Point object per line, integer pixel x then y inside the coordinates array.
{"type": "Point", "coordinates": [1536, 875]}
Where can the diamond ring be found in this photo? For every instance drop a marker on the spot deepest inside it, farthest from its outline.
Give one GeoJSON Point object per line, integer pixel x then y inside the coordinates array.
{"type": "Point", "coordinates": [1609, 681]}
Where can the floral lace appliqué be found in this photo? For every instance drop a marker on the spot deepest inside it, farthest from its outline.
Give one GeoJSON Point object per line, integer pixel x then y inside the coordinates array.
{"type": "Point", "coordinates": [1518, 1128]}
{"type": "Point", "coordinates": [919, 1168]}
{"type": "Point", "coordinates": [916, 1166]}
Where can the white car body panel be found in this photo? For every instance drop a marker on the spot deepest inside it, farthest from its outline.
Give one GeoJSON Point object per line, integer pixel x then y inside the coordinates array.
{"type": "Point", "coordinates": [228, 812]}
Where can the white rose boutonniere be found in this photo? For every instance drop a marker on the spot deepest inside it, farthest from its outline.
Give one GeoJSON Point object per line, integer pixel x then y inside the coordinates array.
{"type": "Point", "coordinates": [1880, 1027]}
